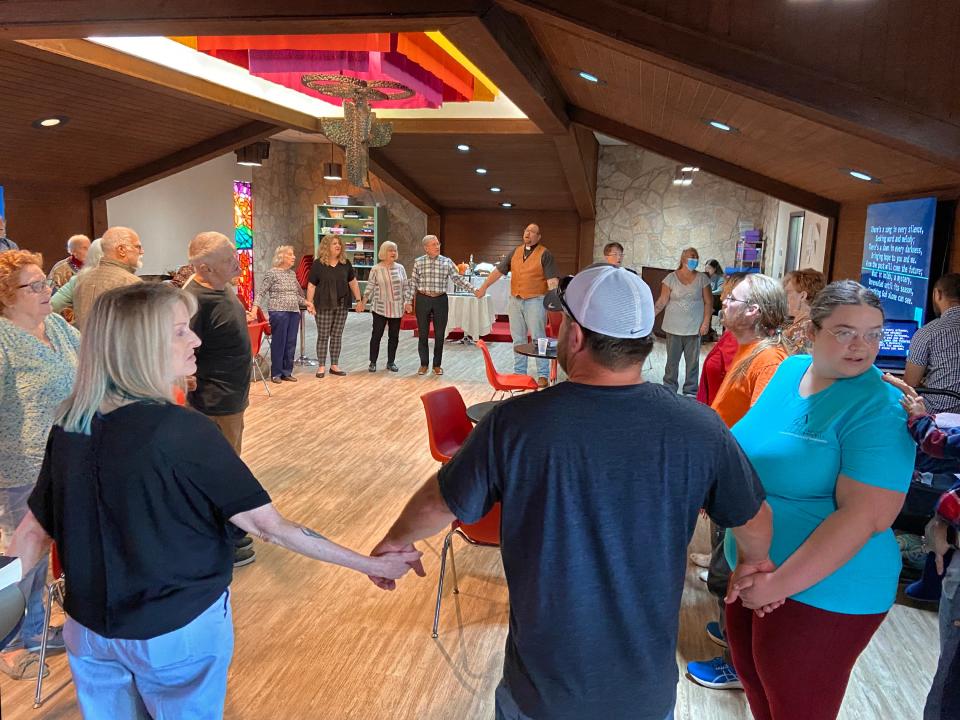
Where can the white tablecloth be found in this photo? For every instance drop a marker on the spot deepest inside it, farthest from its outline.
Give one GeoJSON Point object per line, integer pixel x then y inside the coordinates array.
{"type": "Point", "coordinates": [471, 314]}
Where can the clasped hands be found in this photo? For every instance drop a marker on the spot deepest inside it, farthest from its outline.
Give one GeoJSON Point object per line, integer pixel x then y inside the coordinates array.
{"type": "Point", "coordinates": [755, 585]}
{"type": "Point", "coordinates": [385, 548]}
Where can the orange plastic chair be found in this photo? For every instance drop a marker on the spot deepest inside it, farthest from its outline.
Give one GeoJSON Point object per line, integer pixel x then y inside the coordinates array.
{"type": "Point", "coordinates": [503, 383]}
{"type": "Point", "coordinates": [256, 330]}
{"type": "Point", "coordinates": [485, 532]}
{"type": "Point", "coordinates": [447, 422]}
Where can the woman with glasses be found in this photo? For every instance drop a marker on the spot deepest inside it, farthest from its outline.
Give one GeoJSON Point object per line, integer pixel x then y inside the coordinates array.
{"type": "Point", "coordinates": [687, 304]}
{"type": "Point", "coordinates": [828, 439]}
{"type": "Point", "coordinates": [38, 361]}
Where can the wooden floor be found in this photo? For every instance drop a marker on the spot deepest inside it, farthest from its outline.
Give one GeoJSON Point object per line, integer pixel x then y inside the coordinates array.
{"type": "Point", "coordinates": [313, 641]}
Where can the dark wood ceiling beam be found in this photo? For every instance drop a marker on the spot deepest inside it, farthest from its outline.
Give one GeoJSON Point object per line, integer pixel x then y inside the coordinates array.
{"type": "Point", "coordinates": [463, 126]}
{"type": "Point", "coordinates": [182, 159]}
{"type": "Point", "coordinates": [393, 176]}
{"type": "Point", "coordinates": [83, 18]}
{"type": "Point", "coordinates": [707, 163]}
{"type": "Point", "coordinates": [578, 150]}
{"type": "Point", "coordinates": [502, 46]}
{"type": "Point", "coordinates": [127, 69]}
{"type": "Point", "coordinates": [725, 65]}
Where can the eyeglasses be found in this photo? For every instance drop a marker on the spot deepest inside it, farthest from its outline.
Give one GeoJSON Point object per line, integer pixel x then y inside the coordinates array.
{"type": "Point", "coordinates": [845, 336]}
{"type": "Point", "coordinates": [731, 299]}
{"type": "Point", "coordinates": [138, 246]}
{"type": "Point", "coordinates": [37, 286]}
{"type": "Point", "coordinates": [561, 290]}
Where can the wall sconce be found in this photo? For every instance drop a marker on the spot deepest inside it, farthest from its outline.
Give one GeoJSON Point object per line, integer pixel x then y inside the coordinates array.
{"type": "Point", "coordinates": [253, 155]}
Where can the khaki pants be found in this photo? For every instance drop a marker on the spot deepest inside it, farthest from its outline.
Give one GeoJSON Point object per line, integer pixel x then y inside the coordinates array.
{"type": "Point", "coordinates": [232, 428]}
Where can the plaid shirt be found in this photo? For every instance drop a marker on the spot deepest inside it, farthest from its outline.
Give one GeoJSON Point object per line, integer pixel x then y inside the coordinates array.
{"type": "Point", "coordinates": [941, 444]}
{"type": "Point", "coordinates": [430, 275]}
{"type": "Point", "coordinates": [936, 348]}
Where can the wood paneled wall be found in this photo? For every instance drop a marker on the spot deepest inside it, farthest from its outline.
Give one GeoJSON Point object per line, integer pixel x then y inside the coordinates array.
{"type": "Point", "coordinates": [850, 227]}
{"type": "Point", "coordinates": [42, 217]}
{"type": "Point", "coordinates": [490, 234]}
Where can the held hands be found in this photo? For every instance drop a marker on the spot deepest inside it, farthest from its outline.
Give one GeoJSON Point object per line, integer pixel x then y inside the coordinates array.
{"type": "Point", "coordinates": [311, 309]}
{"type": "Point", "coordinates": [393, 552]}
{"type": "Point", "coordinates": [755, 585]}
{"type": "Point", "coordinates": [935, 540]}
{"type": "Point", "coordinates": [408, 308]}
{"type": "Point", "coordinates": [360, 306]}
{"type": "Point", "coordinates": [251, 316]}
{"type": "Point", "coordinates": [480, 292]}
{"type": "Point", "coordinates": [911, 400]}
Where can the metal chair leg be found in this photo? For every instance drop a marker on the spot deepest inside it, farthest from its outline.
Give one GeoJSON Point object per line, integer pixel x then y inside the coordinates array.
{"type": "Point", "coordinates": [443, 567]}
{"type": "Point", "coordinates": [55, 587]}
{"type": "Point", "coordinates": [263, 379]}
{"type": "Point", "coordinates": [453, 567]}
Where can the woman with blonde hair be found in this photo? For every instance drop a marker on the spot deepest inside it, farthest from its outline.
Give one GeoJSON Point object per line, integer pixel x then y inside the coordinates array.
{"type": "Point", "coordinates": [139, 495]}
{"type": "Point", "coordinates": [38, 359]}
{"type": "Point", "coordinates": [281, 295]}
{"type": "Point", "coordinates": [385, 290]}
{"type": "Point", "coordinates": [331, 284]}
{"type": "Point", "coordinates": [687, 305]}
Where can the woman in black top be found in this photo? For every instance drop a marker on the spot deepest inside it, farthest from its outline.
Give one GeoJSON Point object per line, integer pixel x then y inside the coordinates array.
{"type": "Point", "coordinates": [331, 283]}
{"type": "Point", "coordinates": [141, 497]}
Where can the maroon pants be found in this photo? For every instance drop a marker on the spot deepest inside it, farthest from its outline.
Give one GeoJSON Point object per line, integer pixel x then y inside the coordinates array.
{"type": "Point", "coordinates": [795, 662]}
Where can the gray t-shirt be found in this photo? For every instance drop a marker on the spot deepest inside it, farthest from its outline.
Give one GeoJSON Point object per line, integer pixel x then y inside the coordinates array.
{"type": "Point", "coordinates": [600, 490]}
{"type": "Point", "coordinates": [684, 313]}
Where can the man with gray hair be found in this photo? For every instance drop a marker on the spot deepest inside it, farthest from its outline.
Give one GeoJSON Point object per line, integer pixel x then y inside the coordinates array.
{"type": "Point", "coordinates": [61, 272]}
{"type": "Point", "coordinates": [223, 358]}
{"type": "Point", "coordinates": [122, 257]}
{"type": "Point", "coordinates": [600, 481]}
{"type": "Point", "coordinates": [5, 242]}
{"type": "Point", "coordinates": [428, 288]}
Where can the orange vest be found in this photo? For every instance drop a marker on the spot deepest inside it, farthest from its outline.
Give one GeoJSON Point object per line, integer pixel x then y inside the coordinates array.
{"type": "Point", "coordinates": [526, 276]}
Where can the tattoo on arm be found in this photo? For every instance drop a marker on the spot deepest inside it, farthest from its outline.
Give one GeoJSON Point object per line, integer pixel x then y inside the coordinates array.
{"type": "Point", "coordinates": [311, 533]}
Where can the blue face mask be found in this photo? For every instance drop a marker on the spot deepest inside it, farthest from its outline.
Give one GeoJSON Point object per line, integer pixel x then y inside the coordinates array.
{"type": "Point", "coordinates": [692, 263]}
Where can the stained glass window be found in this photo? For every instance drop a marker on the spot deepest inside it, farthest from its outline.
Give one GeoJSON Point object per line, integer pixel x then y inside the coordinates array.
{"type": "Point", "coordinates": [243, 237]}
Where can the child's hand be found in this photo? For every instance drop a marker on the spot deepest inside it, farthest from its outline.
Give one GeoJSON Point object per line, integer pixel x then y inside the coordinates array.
{"type": "Point", "coordinates": [911, 401]}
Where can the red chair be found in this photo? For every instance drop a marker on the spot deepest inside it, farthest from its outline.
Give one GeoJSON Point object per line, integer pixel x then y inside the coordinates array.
{"type": "Point", "coordinates": [503, 383]}
{"type": "Point", "coordinates": [256, 337]}
{"type": "Point", "coordinates": [485, 532]}
{"type": "Point", "coordinates": [447, 422]}
{"type": "Point", "coordinates": [55, 593]}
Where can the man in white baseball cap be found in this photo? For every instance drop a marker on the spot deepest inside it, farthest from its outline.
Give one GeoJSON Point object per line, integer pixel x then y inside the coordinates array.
{"type": "Point", "coordinates": [600, 480]}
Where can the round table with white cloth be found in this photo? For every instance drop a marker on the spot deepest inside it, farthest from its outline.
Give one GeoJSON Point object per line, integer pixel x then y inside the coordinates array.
{"type": "Point", "coordinates": [470, 314]}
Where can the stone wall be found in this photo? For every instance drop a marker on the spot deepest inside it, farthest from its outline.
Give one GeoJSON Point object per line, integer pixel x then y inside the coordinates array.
{"type": "Point", "coordinates": [290, 183]}
{"type": "Point", "coordinates": [639, 206]}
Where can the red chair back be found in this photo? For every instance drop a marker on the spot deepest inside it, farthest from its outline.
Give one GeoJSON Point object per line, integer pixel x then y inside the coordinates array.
{"type": "Point", "coordinates": [447, 422]}
{"type": "Point", "coordinates": [506, 383]}
{"type": "Point", "coordinates": [554, 318]}
{"type": "Point", "coordinates": [486, 531]}
{"type": "Point", "coordinates": [256, 335]}
{"type": "Point", "coordinates": [55, 565]}
{"type": "Point", "coordinates": [262, 318]}
{"type": "Point", "coordinates": [303, 270]}
{"type": "Point", "coordinates": [492, 375]}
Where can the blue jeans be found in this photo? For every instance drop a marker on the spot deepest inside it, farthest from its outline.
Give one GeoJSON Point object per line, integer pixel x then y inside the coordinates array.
{"type": "Point", "coordinates": [13, 508]}
{"type": "Point", "coordinates": [284, 327]}
{"type": "Point", "coordinates": [527, 316]}
{"type": "Point", "coordinates": [943, 702]}
{"type": "Point", "coordinates": [179, 675]}
{"type": "Point", "coordinates": [505, 708]}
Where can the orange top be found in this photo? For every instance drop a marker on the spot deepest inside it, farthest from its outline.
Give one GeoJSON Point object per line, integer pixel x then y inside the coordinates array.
{"type": "Point", "coordinates": [736, 396]}
{"type": "Point", "coordinates": [526, 276]}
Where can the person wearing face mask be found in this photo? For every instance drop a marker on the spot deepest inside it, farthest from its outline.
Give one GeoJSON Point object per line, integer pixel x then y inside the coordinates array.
{"type": "Point", "coordinates": [122, 257]}
{"type": "Point", "coordinates": [687, 304]}
{"type": "Point", "coordinates": [828, 439]}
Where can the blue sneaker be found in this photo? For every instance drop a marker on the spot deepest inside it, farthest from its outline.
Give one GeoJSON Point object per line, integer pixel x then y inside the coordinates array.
{"type": "Point", "coordinates": [715, 674]}
{"type": "Point", "coordinates": [714, 633]}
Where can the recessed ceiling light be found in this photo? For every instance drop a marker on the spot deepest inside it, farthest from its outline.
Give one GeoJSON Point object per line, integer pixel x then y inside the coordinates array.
{"type": "Point", "coordinates": [506, 205]}
{"type": "Point", "coordinates": [860, 175]}
{"type": "Point", "coordinates": [481, 171]}
{"type": "Point", "coordinates": [589, 77]}
{"type": "Point", "coordinates": [720, 125]}
{"type": "Point", "coordinates": [495, 189]}
{"type": "Point", "coordinates": [50, 121]}
{"type": "Point", "coordinates": [462, 147]}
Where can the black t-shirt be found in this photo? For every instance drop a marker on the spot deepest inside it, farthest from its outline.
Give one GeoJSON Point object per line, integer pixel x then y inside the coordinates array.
{"type": "Point", "coordinates": [139, 510]}
{"type": "Point", "coordinates": [332, 284]}
{"type": "Point", "coordinates": [600, 487]}
{"type": "Point", "coordinates": [223, 358]}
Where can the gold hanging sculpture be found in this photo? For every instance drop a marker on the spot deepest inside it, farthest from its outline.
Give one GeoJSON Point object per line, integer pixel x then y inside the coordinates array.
{"type": "Point", "coordinates": [359, 130]}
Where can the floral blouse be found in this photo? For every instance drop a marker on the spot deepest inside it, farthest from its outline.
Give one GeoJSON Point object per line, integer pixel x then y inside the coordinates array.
{"type": "Point", "coordinates": [34, 380]}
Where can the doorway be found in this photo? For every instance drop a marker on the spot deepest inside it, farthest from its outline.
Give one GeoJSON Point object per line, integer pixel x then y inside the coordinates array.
{"type": "Point", "coordinates": [794, 237]}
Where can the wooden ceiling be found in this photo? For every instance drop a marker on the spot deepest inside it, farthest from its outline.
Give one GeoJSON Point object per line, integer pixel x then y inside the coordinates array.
{"type": "Point", "coordinates": [526, 167]}
{"type": "Point", "coordinates": [114, 126]}
{"type": "Point", "coordinates": [770, 141]}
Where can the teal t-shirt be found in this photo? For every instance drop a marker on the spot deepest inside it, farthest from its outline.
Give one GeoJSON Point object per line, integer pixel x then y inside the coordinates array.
{"type": "Point", "coordinates": [799, 446]}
